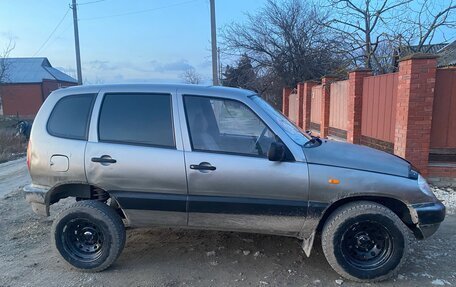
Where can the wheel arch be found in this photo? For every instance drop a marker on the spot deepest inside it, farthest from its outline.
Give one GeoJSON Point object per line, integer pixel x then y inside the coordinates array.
{"type": "Point", "coordinates": [78, 190]}
{"type": "Point", "coordinates": [395, 205]}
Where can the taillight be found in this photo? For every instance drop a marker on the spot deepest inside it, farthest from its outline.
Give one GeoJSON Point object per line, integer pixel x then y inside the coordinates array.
{"type": "Point", "coordinates": [29, 154]}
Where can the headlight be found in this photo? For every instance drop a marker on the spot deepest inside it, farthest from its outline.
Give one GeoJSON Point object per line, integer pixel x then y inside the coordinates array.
{"type": "Point", "coordinates": [424, 186]}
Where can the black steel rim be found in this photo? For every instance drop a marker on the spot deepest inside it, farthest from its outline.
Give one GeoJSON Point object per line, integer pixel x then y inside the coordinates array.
{"type": "Point", "coordinates": [367, 245]}
{"type": "Point", "coordinates": [83, 240]}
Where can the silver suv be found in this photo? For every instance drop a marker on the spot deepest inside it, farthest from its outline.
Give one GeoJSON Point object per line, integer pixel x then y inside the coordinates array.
{"type": "Point", "coordinates": [217, 158]}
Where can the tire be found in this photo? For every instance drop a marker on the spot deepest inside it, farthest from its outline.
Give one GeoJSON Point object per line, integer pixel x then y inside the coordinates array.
{"type": "Point", "coordinates": [365, 242]}
{"type": "Point", "coordinates": [89, 235]}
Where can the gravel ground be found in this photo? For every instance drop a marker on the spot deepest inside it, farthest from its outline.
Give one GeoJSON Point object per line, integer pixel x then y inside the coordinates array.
{"type": "Point", "coordinates": [448, 196]}
{"type": "Point", "coordinates": [166, 257]}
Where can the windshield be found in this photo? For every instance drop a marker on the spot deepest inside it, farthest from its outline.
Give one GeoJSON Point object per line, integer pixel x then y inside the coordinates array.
{"type": "Point", "coordinates": [290, 128]}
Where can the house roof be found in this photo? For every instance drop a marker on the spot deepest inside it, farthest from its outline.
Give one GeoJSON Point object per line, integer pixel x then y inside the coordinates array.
{"type": "Point", "coordinates": [33, 70]}
{"type": "Point", "coordinates": [446, 52]}
{"type": "Point", "coordinates": [447, 55]}
{"type": "Point", "coordinates": [428, 49]}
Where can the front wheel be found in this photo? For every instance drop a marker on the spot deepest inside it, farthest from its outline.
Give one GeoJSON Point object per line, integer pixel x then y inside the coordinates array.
{"type": "Point", "coordinates": [89, 235]}
{"type": "Point", "coordinates": [365, 242]}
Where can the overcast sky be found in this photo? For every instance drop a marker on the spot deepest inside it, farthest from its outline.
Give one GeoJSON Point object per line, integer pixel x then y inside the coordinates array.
{"type": "Point", "coordinates": [121, 40]}
{"type": "Point", "coordinates": [157, 43]}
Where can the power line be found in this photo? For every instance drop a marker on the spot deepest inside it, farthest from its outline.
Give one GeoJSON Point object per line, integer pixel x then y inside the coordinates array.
{"type": "Point", "coordinates": [138, 11]}
{"type": "Point", "coordinates": [58, 36]}
{"type": "Point", "coordinates": [90, 2]}
{"type": "Point", "coordinates": [52, 33]}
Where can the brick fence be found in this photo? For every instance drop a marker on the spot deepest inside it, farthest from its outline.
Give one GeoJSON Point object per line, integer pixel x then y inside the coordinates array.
{"type": "Point", "coordinates": [392, 112]}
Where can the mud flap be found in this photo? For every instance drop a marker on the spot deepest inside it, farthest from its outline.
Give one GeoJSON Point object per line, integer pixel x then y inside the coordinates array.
{"type": "Point", "coordinates": [307, 244]}
{"type": "Point", "coordinates": [40, 209]}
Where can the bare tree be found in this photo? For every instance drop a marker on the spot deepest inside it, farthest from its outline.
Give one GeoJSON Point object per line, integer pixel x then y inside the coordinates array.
{"type": "Point", "coordinates": [362, 26]}
{"type": "Point", "coordinates": [5, 66]}
{"type": "Point", "coordinates": [4, 63]}
{"type": "Point", "coordinates": [284, 39]}
{"type": "Point", "coordinates": [423, 23]}
{"type": "Point", "coordinates": [190, 76]}
{"type": "Point", "coordinates": [373, 30]}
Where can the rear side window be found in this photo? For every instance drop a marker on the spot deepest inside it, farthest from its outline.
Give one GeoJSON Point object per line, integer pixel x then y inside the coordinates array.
{"type": "Point", "coordinates": [144, 119]}
{"type": "Point", "coordinates": [70, 117]}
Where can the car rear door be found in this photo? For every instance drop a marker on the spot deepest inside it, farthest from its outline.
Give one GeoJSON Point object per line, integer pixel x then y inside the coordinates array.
{"type": "Point", "coordinates": [232, 184]}
{"type": "Point", "coordinates": [135, 153]}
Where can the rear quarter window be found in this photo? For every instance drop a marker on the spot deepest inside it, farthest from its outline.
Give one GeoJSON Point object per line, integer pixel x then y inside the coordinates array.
{"type": "Point", "coordinates": [70, 117]}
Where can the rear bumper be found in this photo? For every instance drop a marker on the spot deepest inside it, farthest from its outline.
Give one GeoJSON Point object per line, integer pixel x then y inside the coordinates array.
{"type": "Point", "coordinates": [428, 217]}
{"type": "Point", "coordinates": [36, 196]}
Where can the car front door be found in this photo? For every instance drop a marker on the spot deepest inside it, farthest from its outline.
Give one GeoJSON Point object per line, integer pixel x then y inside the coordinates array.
{"type": "Point", "coordinates": [134, 154]}
{"type": "Point", "coordinates": [231, 183]}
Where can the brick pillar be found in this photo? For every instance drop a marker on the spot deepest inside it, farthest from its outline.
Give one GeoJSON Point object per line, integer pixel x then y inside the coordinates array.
{"type": "Point", "coordinates": [300, 91]}
{"type": "Point", "coordinates": [355, 104]}
{"type": "Point", "coordinates": [415, 96]}
{"type": "Point", "coordinates": [286, 101]}
{"type": "Point", "coordinates": [306, 103]}
{"type": "Point", "coordinates": [325, 101]}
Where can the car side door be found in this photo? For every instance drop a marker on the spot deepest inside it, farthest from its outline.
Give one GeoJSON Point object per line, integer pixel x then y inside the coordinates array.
{"type": "Point", "coordinates": [135, 153]}
{"type": "Point", "coordinates": [231, 183]}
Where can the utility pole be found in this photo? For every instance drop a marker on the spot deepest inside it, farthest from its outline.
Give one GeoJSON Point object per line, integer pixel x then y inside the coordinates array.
{"type": "Point", "coordinates": [215, 81]}
{"type": "Point", "coordinates": [219, 66]}
{"type": "Point", "coordinates": [76, 41]}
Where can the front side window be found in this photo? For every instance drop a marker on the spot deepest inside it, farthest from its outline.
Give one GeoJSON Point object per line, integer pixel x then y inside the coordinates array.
{"type": "Point", "coordinates": [70, 117]}
{"type": "Point", "coordinates": [144, 119]}
{"type": "Point", "coordinates": [228, 126]}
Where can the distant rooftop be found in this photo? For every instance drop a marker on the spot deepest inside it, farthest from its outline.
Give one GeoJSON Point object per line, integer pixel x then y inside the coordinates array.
{"type": "Point", "coordinates": [33, 70]}
{"type": "Point", "coordinates": [428, 49]}
{"type": "Point", "coordinates": [447, 55]}
{"type": "Point", "coordinates": [445, 51]}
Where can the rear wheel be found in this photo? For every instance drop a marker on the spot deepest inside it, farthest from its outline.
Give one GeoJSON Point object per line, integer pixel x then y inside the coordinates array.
{"type": "Point", "coordinates": [89, 235]}
{"type": "Point", "coordinates": [365, 241]}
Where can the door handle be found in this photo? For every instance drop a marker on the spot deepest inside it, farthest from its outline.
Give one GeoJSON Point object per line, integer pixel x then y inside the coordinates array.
{"type": "Point", "coordinates": [203, 166]}
{"type": "Point", "coordinates": [104, 159]}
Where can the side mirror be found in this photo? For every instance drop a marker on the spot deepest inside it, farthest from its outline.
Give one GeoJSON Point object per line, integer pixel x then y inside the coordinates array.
{"type": "Point", "coordinates": [276, 152]}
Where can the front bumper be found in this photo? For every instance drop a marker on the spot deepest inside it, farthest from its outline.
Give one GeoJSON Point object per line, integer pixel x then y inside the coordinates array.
{"type": "Point", "coordinates": [427, 217]}
{"type": "Point", "coordinates": [36, 196]}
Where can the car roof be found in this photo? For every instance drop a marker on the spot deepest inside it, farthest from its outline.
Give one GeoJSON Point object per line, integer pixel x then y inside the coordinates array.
{"type": "Point", "coordinates": [159, 88]}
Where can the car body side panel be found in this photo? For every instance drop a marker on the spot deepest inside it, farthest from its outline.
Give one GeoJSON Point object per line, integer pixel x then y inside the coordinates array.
{"type": "Point", "coordinates": [45, 146]}
{"type": "Point", "coordinates": [144, 170]}
{"type": "Point", "coordinates": [247, 193]}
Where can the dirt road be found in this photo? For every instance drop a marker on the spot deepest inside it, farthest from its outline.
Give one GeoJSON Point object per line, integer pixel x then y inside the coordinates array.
{"type": "Point", "coordinates": [192, 258]}
{"type": "Point", "coordinates": [13, 175]}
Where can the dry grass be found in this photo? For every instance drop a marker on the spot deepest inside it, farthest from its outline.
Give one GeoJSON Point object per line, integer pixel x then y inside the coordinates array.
{"type": "Point", "coordinates": [11, 146]}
